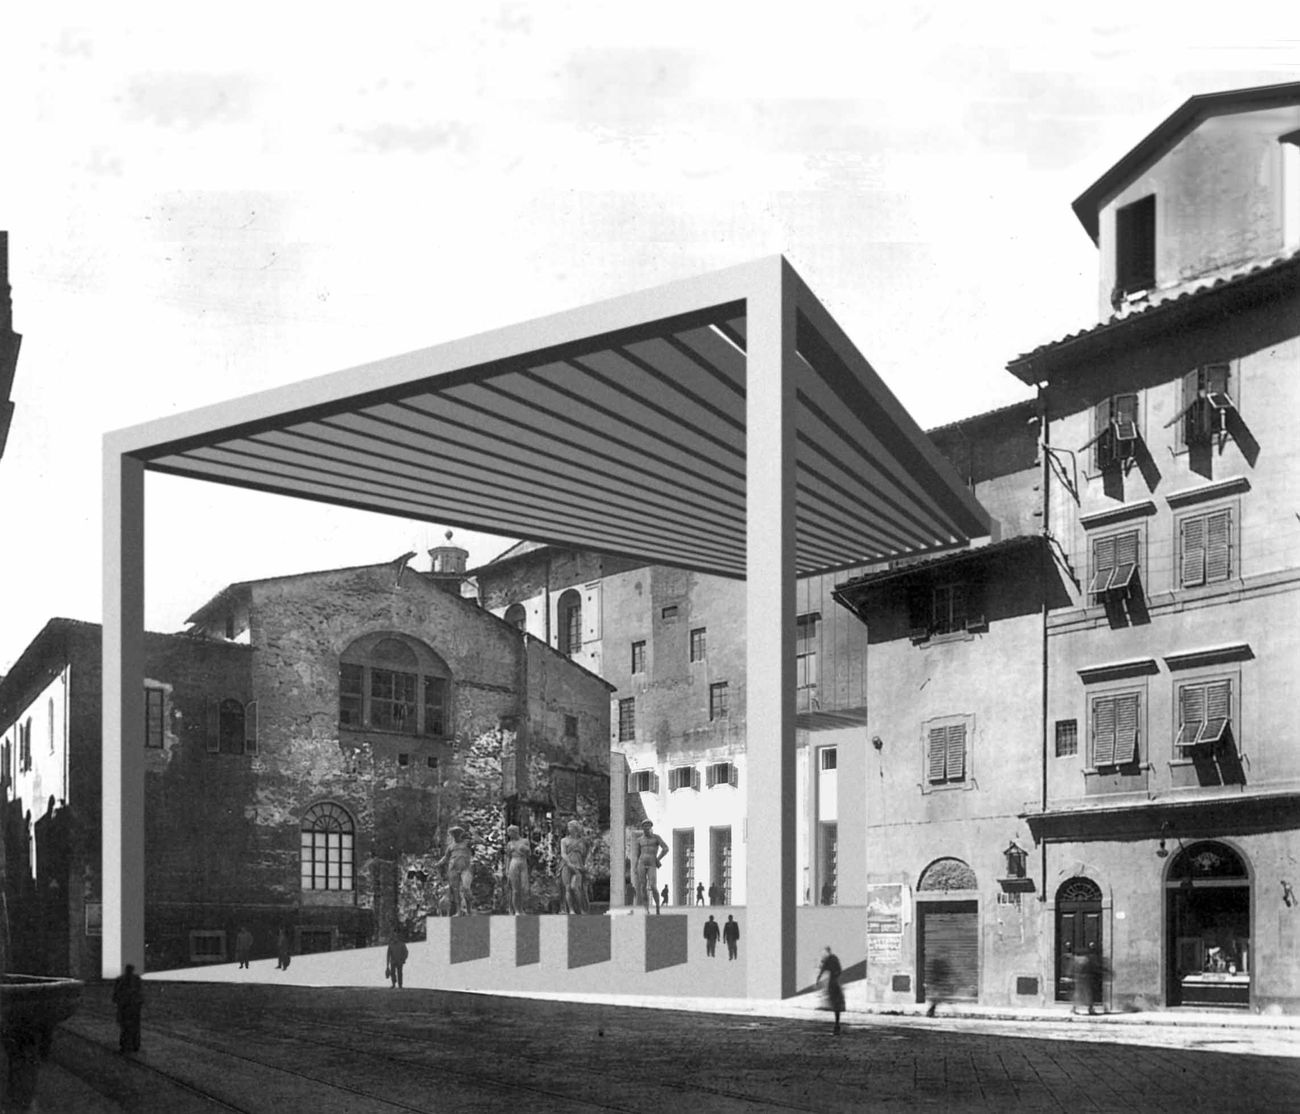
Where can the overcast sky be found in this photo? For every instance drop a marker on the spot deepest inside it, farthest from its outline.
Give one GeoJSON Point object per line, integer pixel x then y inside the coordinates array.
{"type": "Point", "coordinates": [206, 205]}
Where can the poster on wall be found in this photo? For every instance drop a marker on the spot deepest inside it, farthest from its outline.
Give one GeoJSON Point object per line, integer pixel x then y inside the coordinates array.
{"type": "Point", "coordinates": [886, 918]}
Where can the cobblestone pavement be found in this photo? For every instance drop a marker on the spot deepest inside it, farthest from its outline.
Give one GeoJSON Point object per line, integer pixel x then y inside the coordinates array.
{"type": "Point", "coordinates": [286, 1049]}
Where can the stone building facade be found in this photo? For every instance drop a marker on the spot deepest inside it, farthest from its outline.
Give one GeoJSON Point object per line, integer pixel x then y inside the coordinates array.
{"type": "Point", "coordinates": [309, 741]}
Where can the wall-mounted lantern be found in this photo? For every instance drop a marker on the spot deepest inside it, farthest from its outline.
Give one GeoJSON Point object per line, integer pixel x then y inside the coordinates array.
{"type": "Point", "coordinates": [1162, 852]}
{"type": "Point", "coordinates": [1017, 873]}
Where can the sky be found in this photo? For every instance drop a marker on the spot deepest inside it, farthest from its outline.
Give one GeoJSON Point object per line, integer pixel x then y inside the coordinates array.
{"type": "Point", "coordinates": [205, 205]}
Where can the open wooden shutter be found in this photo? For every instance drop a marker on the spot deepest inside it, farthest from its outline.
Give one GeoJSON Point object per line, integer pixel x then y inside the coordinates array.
{"type": "Point", "coordinates": [212, 726]}
{"type": "Point", "coordinates": [1218, 710]}
{"type": "Point", "coordinates": [1103, 564]}
{"type": "Point", "coordinates": [956, 751]}
{"type": "Point", "coordinates": [1103, 731]}
{"type": "Point", "coordinates": [1191, 393]}
{"type": "Point", "coordinates": [250, 727]}
{"type": "Point", "coordinates": [1100, 440]}
{"type": "Point", "coordinates": [1126, 560]}
{"type": "Point", "coordinates": [654, 783]}
{"type": "Point", "coordinates": [938, 756]}
{"type": "Point", "coordinates": [711, 775]}
{"type": "Point", "coordinates": [1126, 728]}
{"type": "Point", "coordinates": [1192, 559]}
{"type": "Point", "coordinates": [733, 775]}
{"type": "Point", "coordinates": [695, 778]}
{"type": "Point", "coordinates": [1191, 715]}
{"type": "Point", "coordinates": [1218, 546]}
{"type": "Point", "coordinates": [1124, 419]}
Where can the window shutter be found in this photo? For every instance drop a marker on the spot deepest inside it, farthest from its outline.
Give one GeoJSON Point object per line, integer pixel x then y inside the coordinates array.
{"type": "Point", "coordinates": [956, 752]}
{"type": "Point", "coordinates": [1191, 715]}
{"type": "Point", "coordinates": [1103, 731]}
{"type": "Point", "coordinates": [654, 783]}
{"type": "Point", "coordinates": [1103, 564]}
{"type": "Point", "coordinates": [1101, 433]}
{"type": "Point", "coordinates": [1124, 418]}
{"type": "Point", "coordinates": [1193, 555]}
{"type": "Point", "coordinates": [1218, 710]}
{"type": "Point", "coordinates": [1126, 558]}
{"type": "Point", "coordinates": [1218, 546]}
{"type": "Point", "coordinates": [1126, 728]}
{"type": "Point", "coordinates": [938, 753]}
{"type": "Point", "coordinates": [1218, 379]}
{"type": "Point", "coordinates": [250, 727]}
{"type": "Point", "coordinates": [711, 776]}
{"type": "Point", "coordinates": [733, 775]}
{"type": "Point", "coordinates": [695, 778]}
{"type": "Point", "coordinates": [212, 727]}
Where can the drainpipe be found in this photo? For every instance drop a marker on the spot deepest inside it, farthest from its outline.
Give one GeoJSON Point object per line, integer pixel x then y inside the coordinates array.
{"type": "Point", "coordinates": [1044, 571]}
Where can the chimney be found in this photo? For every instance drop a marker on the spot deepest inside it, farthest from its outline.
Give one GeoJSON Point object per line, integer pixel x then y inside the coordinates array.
{"type": "Point", "coordinates": [448, 565]}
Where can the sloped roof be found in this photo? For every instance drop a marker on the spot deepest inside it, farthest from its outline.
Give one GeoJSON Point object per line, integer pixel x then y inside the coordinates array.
{"type": "Point", "coordinates": [1181, 121]}
{"type": "Point", "coordinates": [923, 566]}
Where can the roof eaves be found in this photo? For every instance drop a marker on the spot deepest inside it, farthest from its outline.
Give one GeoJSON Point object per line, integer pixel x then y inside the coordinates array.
{"type": "Point", "coordinates": [872, 580]}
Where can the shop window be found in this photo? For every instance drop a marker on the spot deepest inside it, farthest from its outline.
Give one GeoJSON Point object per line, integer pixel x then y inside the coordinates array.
{"type": "Point", "coordinates": [394, 683]}
{"type": "Point", "coordinates": [1115, 729]}
{"type": "Point", "coordinates": [627, 719]}
{"type": "Point", "coordinates": [327, 848]}
{"type": "Point", "coordinates": [1204, 713]}
{"type": "Point", "coordinates": [683, 777]}
{"type": "Point", "coordinates": [643, 781]}
{"type": "Point", "coordinates": [719, 700]}
{"type": "Point", "coordinates": [1204, 548]}
{"type": "Point", "coordinates": [699, 644]}
{"type": "Point", "coordinates": [721, 773]}
{"type": "Point", "coordinates": [570, 622]}
{"type": "Point", "coordinates": [1115, 432]}
{"type": "Point", "coordinates": [1207, 402]}
{"type": "Point", "coordinates": [1114, 566]}
{"type": "Point", "coordinates": [154, 723]}
{"type": "Point", "coordinates": [1135, 246]}
{"type": "Point", "coordinates": [638, 657]}
{"type": "Point", "coordinates": [1067, 737]}
{"type": "Point", "coordinates": [946, 758]}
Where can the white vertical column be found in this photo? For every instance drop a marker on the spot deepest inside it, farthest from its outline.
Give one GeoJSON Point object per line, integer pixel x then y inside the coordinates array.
{"type": "Point", "coordinates": [122, 792]}
{"type": "Point", "coordinates": [770, 604]}
{"type": "Point", "coordinates": [617, 827]}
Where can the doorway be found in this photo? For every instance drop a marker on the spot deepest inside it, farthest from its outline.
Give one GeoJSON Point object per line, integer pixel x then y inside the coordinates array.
{"type": "Point", "coordinates": [1078, 929]}
{"type": "Point", "coordinates": [1209, 959]}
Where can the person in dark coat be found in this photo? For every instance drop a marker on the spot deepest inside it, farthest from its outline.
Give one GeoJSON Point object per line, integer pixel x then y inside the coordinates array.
{"type": "Point", "coordinates": [128, 997]}
{"type": "Point", "coordinates": [664, 895]}
{"type": "Point", "coordinates": [244, 946]}
{"type": "Point", "coordinates": [397, 954]}
{"type": "Point", "coordinates": [282, 951]}
{"type": "Point", "coordinates": [699, 893]}
{"type": "Point", "coordinates": [832, 970]}
{"type": "Point", "coordinates": [713, 893]}
{"type": "Point", "coordinates": [711, 930]}
{"type": "Point", "coordinates": [731, 934]}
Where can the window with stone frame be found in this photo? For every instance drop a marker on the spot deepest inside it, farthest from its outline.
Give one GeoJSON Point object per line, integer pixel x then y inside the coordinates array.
{"type": "Point", "coordinates": [391, 682]}
{"type": "Point", "coordinates": [1115, 431]}
{"type": "Point", "coordinates": [1115, 565]}
{"type": "Point", "coordinates": [638, 657]}
{"type": "Point", "coordinates": [699, 644]}
{"type": "Point", "coordinates": [1115, 721]}
{"type": "Point", "coordinates": [1067, 737]}
{"type": "Point", "coordinates": [1206, 405]}
{"type": "Point", "coordinates": [683, 777]}
{"type": "Point", "coordinates": [569, 612]}
{"type": "Point", "coordinates": [719, 700]}
{"type": "Point", "coordinates": [946, 751]}
{"type": "Point", "coordinates": [643, 781]}
{"type": "Point", "coordinates": [1205, 548]}
{"type": "Point", "coordinates": [721, 773]}
{"type": "Point", "coordinates": [328, 836]}
{"type": "Point", "coordinates": [627, 719]}
{"type": "Point", "coordinates": [1205, 714]}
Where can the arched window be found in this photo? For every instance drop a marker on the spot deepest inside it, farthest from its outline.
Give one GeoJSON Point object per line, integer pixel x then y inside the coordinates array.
{"type": "Point", "coordinates": [327, 845]}
{"type": "Point", "coordinates": [516, 616]}
{"type": "Point", "coordinates": [570, 617]}
{"type": "Point", "coordinates": [389, 682]}
{"type": "Point", "coordinates": [947, 874]}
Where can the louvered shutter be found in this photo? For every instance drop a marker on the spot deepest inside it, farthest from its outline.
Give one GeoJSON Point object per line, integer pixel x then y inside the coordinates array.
{"type": "Point", "coordinates": [1126, 728]}
{"type": "Point", "coordinates": [956, 751]}
{"type": "Point", "coordinates": [1218, 710]}
{"type": "Point", "coordinates": [1126, 560]}
{"type": "Point", "coordinates": [1218, 546]}
{"type": "Point", "coordinates": [695, 778]}
{"type": "Point", "coordinates": [733, 775]}
{"type": "Point", "coordinates": [250, 727]}
{"type": "Point", "coordinates": [1103, 731]}
{"type": "Point", "coordinates": [1187, 416]}
{"type": "Point", "coordinates": [1193, 555]}
{"type": "Point", "coordinates": [1191, 715]}
{"type": "Point", "coordinates": [938, 753]}
{"type": "Point", "coordinates": [1101, 434]}
{"type": "Point", "coordinates": [212, 727]}
{"type": "Point", "coordinates": [711, 776]}
{"type": "Point", "coordinates": [1103, 564]}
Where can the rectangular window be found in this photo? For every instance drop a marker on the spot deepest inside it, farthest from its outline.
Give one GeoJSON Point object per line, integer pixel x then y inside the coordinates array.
{"type": "Point", "coordinates": [829, 758]}
{"type": "Point", "coordinates": [1067, 737]}
{"type": "Point", "coordinates": [627, 720]}
{"type": "Point", "coordinates": [683, 777]}
{"type": "Point", "coordinates": [392, 699]}
{"type": "Point", "coordinates": [946, 760]}
{"type": "Point", "coordinates": [1114, 564]}
{"type": "Point", "coordinates": [326, 860]}
{"type": "Point", "coordinates": [1115, 431]}
{"type": "Point", "coordinates": [207, 947]}
{"type": "Point", "coordinates": [721, 773]}
{"type": "Point", "coordinates": [643, 781]}
{"type": "Point", "coordinates": [669, 612]}
{"type": "Point", "coordinates": [718, 700]}
{"type": "Point", "coordinates": [1206, 403]}
{"type": "Point", "coordinates": [435, 706]}
{"type": "Point", "coordinates": [699, 647]}
{"type": "Point", "coordinates": [1205, 548]}
{"type": "Point", "coordinates": [154, 724]}
{"type": "Point", "coordinates": [351, 694]}
{"type": "Point", "coordinates": [1115, 729]}
{"type": "Point", "coordinates": [570, 727]}
{"type": "Point", "coordinates": [948, 611]}
{"type": "Point", "coordinates": [1204, 713]}
{"type": "Point", "coordinates": [403, 759]}
{"type": "Point", "coordinates": [432, 761]}
{"type": "Point", "coordinates": [805, 661]}
{"type": "Point", "coordinates": [638, 657]}
{"type": "Point", "coordinates": [1135, 246]}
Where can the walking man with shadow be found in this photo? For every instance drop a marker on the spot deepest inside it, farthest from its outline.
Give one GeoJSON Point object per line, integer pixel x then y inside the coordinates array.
{"type": "Point", "coordinates": [711, 929]}
{"type": "Point", "coordinates": [731, 934]}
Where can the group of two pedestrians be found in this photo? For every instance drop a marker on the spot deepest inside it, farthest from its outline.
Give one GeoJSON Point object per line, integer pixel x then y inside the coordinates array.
{"type": "Point", "coordinates": [730, 933]}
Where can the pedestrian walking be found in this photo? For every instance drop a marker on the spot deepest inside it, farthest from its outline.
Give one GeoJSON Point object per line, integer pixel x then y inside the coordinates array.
{"type": "Point", "coordinates": [731, 935]}
{"type": "Point", "coordinates": [664, 895]}
{"type": "Point", "coordinates": [938, 982]}
{"type": "Point", "coordinates": [711, 930]}
{"type": "Point", "coordinates": [699, 893]}
{"type": "Point", "coordinates": [282, 951]}
{"type": "Point", "coordinates": [396, 960]}
{"type": "Point", "coordinates": [1084, 969]}
{"type": "Point", "coordinates": [128, 997]}
{"type": "Point", "coordinates": [831, 970]}
{"type": "Point", "coordinates": [244, 947]}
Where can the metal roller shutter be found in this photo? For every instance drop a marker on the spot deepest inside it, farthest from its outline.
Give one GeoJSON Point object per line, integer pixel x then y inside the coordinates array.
{"type": "Point", "coordinates": [950, 949]}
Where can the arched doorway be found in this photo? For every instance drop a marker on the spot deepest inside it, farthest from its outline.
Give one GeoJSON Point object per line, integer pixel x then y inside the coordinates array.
{"type": "Point", "coordinates": [1208, 954]}
{"type": "Point", "coordinates": [1078, 929]}
{"type": "Point", "coordinates": [947, 932]}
